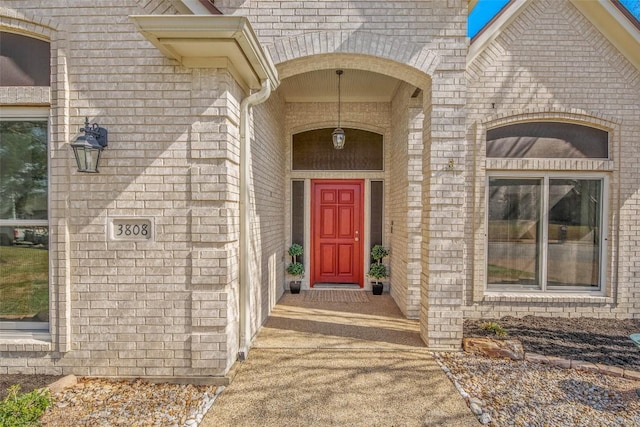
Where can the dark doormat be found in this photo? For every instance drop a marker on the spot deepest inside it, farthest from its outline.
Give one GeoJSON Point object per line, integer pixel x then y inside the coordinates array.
{"type": "Point", "coordinates": [335, 295]}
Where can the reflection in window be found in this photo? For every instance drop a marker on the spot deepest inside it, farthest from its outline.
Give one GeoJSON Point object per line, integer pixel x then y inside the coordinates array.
{"type": "Point", "coordinates": [574, 233]}
{"type": "Point", "coordinates": [313, 150]}
{"type": "Point", "coordinates": [24, 61]}
{"type": "Point", "coordinates": [376, 221]}
{"type": "Point", "coordinates": [24, 230]}
{"type": "Point", "coordinates": [23, 170]}
{"type": "Point", "coordinates": [517, 222]}
{"type": "Point", "coordinates": [514, 232]}
{"type": "Point", "coordinates": [547, 140]}
{"type": "Point", "coordinates": [297, 212]}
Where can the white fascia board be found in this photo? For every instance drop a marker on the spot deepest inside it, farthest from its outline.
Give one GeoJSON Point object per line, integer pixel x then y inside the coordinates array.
{"type": "Point", "coordinates": [206, 41]}
{"type": "Point", "coordinates": [195, 7]}
{"type": "Point", "coordinates": [490, 33]}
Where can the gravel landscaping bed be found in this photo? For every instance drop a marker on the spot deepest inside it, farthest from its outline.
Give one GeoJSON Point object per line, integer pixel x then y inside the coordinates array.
{"type": "Point", "coordinates": [502, 392]}
{"type": "Point", "coordinates": [101, 402]}
{"type": "Point", "coordinates": [603, 341]}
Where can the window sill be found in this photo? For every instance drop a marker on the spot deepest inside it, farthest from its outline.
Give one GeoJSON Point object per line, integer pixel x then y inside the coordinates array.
{"type": "Point", "coordinates": [21, 341]}
{"type": "Point", "coordinates": [595, 165]}
{"type": "Point", "coordinates": [505, 297]}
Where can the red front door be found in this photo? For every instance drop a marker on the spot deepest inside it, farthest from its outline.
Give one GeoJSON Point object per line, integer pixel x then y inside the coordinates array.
{"type": "Point", "coordinates": [336, 231]}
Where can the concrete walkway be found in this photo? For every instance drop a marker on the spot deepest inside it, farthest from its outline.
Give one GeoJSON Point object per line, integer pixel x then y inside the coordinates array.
{"type": "Point", "coordinates": [339, 358]}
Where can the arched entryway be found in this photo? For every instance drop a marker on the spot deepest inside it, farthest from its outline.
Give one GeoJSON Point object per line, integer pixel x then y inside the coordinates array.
{"type": "Point", "coordinates": [381, 166]}
{"type": "Point", "coordinates": [423, 129]}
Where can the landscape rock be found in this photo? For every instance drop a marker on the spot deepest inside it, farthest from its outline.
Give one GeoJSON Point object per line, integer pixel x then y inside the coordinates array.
{"type": "Point", "coordinates": [511, 349]}
{"type": "Point", "coordinates": [63, 383]}
{"type": "Point", "coordinates": [475, 408]}
{"type": "Point", "coordinates": [484, 418]}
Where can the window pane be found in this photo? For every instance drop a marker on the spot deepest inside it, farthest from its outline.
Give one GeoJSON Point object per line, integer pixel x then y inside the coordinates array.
{"type": "Point", "coordinates": [24, 275]}
{"type": "Point", "coordinates": [514, 232]}
{"type": "Point", "coordinates": [574, 233]}
{"type": "Point", "coordinates": [313, 150]}
{"type": "Point", "coordinates": [377, 195]}
{"type": "Point", "coordinates": [297, 212]}
{"type": "Point", "coordinates": [24, 253]}
{"type": "Point", "coordinates": [24, 61]}
{"type": "Point", "coordinates": [547, 140]}
{"type": "Point", "coordinates": [23, 170]}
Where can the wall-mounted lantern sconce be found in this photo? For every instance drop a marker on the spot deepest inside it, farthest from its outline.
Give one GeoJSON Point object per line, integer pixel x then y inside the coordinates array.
{"type": "Point", "coordinates": [88, 147]}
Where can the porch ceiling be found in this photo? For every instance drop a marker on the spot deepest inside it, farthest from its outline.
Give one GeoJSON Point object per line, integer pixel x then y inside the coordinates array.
{"type": "Point", "coordinates": [322, 86]}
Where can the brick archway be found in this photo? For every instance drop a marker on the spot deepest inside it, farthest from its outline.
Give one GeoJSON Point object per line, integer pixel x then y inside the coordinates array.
{"type": "Point", "coordinates": [359, 50]}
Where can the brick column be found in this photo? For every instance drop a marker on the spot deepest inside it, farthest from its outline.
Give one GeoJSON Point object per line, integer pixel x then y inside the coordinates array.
{"type": "Point", "coordinates": [443, 216]}
{"type": "Point", "coordinates": [213, 222]}
{"type": "Point", "coordinates": [415, 148]}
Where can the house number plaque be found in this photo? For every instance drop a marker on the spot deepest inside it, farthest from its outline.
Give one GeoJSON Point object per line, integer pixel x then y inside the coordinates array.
{"type": "Point", "coordinates": [131, 229]}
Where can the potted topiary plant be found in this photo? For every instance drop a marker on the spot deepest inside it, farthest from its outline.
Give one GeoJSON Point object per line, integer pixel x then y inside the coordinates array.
{"type": "Point", "coordinates": [378, 270]}
{"type": "Point", "coordinates": [295, 268]}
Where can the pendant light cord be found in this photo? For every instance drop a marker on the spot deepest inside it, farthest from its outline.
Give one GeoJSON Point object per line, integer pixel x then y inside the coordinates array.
{"type": "Point", "coordinates": [339, 73]}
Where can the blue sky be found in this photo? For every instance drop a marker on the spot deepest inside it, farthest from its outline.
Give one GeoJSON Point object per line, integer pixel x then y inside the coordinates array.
{"type": "Point", "coordinates": [482, 14]}
{"type": "Point", "coordinates": [486, 9]}
{"type": "Point", "coordinates": [633, 6]}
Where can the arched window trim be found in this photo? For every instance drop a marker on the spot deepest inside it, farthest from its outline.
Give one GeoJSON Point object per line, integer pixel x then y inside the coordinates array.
{"type": "Point", "coordinates": [498, 123]}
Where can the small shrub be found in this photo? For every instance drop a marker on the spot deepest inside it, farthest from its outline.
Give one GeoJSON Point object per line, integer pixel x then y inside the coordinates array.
{"type": "Point", "coordinates": [23, 410]}
{"type": "Point", "coordinates": [378, 271]}
{"type": "Point", "coordinates": [295, 250]}
{"type": "Point", "coordinates": [295, 269]}
{"type": "Point", "coordinates": [378, 252]}
{"type": "Point", "coordinates": [495, 328]}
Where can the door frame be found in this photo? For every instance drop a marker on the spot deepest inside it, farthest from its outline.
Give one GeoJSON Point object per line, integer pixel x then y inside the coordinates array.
{"type": "Point", "coordinates": [361, 217]}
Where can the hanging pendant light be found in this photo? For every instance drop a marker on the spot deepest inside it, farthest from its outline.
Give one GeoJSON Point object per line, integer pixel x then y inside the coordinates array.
{"type": "Point", "coordinates": [338, 134]}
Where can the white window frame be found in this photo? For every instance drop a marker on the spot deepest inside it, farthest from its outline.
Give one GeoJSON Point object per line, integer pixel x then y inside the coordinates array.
{"type": "Point", "coordinates": [8, 113]}
{"type": "Point", "coordinates": [497, 289]}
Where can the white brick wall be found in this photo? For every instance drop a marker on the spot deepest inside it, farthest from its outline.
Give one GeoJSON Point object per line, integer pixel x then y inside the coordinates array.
{"type": "Point", "coordinates": [267, 206]}
{"type": "Point", "coordinates": [158, 308]}
{"type": "Point", "coordinates": [398, 196]}
{"type": "Point", "coordinates": [169, 306]}
{"type": "Point", "coordinates": [405, 199]}
{"type": "Point", "coordinates": [429, 51]}
{"type": "Point", "coordinates": [552, 64]}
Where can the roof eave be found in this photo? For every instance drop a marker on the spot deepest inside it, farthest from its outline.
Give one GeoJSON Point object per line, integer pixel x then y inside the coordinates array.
{"type": "Point", "coordinates": [494, 28]}
{"type": "Point", "coordinates": [200, 7]}
{"type": "Point", "coordinates": [211, 41]}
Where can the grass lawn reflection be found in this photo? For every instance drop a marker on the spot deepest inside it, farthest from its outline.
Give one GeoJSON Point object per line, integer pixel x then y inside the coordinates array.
{"type": "Point", "coordinates": [24, 283]}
